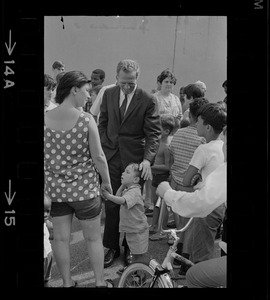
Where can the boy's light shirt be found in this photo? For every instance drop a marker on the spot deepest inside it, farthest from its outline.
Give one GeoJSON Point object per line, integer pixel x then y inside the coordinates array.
{"type": "Point", "coordinates": [203, 201]}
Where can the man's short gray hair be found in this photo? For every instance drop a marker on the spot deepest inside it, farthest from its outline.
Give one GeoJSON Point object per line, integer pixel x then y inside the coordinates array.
{"type": "Point", "coordinates": [128, 65]}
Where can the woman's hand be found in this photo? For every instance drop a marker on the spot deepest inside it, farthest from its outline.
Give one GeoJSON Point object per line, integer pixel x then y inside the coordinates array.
{"type": "Point", "coordinates": [106, 189]}
{"type": "Point", "coordinates": [105, 194]}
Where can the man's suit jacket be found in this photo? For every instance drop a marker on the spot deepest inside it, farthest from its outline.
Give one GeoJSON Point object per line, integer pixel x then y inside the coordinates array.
{"type": "Point", "coordinates": [137, 137]}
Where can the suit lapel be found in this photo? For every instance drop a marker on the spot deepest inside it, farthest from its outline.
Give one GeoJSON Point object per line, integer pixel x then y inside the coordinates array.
{"type": "Point", "coordinates": [115, 97]}
{"type": "Point", "coordinates": [133, 103]}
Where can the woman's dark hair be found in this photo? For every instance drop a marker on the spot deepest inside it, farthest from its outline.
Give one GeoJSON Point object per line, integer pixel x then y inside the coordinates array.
{"type": "Point", "coordinates": [166, 73]}
{"type": "Point", "coordinates": [59, 76]}
{"type": "Point", "coordinates": [49, 82]}
{"type": "Point", "coordinates": [214, 115]}
{"type": "Point", "coordinates": [68, 81]}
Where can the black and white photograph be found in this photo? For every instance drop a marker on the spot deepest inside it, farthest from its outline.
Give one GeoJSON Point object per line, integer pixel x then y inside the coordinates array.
{"type": "Point", "coordinates": [119, 178]}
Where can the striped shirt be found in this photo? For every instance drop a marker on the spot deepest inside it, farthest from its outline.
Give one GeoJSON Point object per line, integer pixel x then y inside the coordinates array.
{"type": "Point", "coordinates": [185, 141]}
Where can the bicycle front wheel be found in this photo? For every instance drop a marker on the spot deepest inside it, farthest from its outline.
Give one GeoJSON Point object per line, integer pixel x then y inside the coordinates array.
{"type": "Point", "coordinates": [138, 275]}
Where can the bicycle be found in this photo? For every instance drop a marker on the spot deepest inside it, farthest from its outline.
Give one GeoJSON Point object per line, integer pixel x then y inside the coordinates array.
{"type": "Point", "coordinates": [142, 275]}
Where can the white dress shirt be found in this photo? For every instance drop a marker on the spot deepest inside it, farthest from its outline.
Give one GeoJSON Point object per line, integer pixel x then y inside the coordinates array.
{"type": "Point", "coordinates": [95, 108]}
{"type": "Point", "coordinates": [129, 97]}
{"type": "Point", "coordinates": [203, 201]}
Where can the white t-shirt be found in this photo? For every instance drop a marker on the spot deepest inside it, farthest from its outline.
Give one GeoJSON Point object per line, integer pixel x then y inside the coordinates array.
{"type": "Point", "coordinates": [207, 157]}
{"type": "Point", "coordinates": [95, 108]}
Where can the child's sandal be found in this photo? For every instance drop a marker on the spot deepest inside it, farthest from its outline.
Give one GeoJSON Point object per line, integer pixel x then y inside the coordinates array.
{"type": "Point", "coordinates": [109, 284]}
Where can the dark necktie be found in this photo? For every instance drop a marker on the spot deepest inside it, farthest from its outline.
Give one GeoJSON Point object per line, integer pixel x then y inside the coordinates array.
{"type": "Point", "coordinates": [123, 109]}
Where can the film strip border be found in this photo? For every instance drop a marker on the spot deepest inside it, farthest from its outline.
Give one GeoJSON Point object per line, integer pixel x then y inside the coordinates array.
{"type": "Point", "coordinates": [22, 148]}
{"type": "Point", "coordinates": [22, 141]}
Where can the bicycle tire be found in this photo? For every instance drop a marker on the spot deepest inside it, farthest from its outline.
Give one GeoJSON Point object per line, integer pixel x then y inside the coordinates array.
{"type": "Point", "coordinates": [133, 277]}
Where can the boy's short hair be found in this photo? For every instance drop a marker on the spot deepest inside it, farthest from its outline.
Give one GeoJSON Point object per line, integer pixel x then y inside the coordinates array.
{"type": "Point", "coordinates": [49, 82]}
{"type": "Point", "coordinates": [99, 72]}
{"type": "Point", "coordinates": [167, 122]}
{"type": "Point", "coordinates": [193, 90]}
{"type": "Point", "coordinates": [195, 106]}
{"type": "Point", "coordinates": [137, 172]}
{"type": "Point", "coordinates": [201, 85]}
{"type": "Point", "coordinates": [58, 65]}
{"type": "Point", "coordinates": [184, 123]}
{"type": "Point", "coordinates": [214, 115]}
{"type": "Point", "coordinates": [223, 105]}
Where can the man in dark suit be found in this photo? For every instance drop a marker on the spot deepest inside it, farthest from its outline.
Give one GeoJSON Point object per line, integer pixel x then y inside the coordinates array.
{"type": "Point", "coordinates": [129, 129]}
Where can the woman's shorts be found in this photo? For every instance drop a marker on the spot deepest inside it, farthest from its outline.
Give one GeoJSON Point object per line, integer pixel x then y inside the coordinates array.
{"type": "Point", "coordinates": [138, 242]}
{"type": "Point", "coordinates": [84, 210]}
{"type": "Point", "coordinates": [158, 178]}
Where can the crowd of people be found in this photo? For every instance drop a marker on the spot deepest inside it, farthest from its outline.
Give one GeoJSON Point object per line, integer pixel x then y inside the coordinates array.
{"type": "Point", "coordinates": [121, 148]}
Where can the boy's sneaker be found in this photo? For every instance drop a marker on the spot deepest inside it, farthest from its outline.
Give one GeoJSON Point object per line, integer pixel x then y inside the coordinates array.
{"type": "Point", "coordinates": [158, 236]}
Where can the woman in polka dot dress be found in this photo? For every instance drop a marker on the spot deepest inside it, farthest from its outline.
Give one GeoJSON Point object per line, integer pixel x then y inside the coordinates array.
{"type": "Point", "coordinates": [74, 159]}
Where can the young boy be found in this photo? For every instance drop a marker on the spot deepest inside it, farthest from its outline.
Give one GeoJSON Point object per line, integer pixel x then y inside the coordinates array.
{"type": "Point", "coordinates": [49, 87]}
{"type": "Point", "coordinates": [133, 222]}
{"type": "Point", "coordinates": [97, 78]}
{"type": "Point", "coordinates": [93, 92]}
{"type": "Point", "coordinates": [185, 141]}
{"type": "Point", "coordinates": [190, 92]}
{"type": "Point", "coordinates": [211, 120]}
{"type": "Point", "coordinates": [57, 68]}
{"type": "Point", "coordinates": [161, 170]}
{"type": "Point", "coordinates": [48, 257]}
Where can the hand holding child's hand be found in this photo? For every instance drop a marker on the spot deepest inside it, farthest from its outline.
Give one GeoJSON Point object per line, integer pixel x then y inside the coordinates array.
{"type": "Point", "coordinates": [105, 194]}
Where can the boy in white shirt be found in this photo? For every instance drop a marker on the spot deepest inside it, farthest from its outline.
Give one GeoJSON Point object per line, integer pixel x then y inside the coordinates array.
{"type": "Point", "coordinates": [200, 203]}
{"type": "Point", "coordinates": [48, 256]}
{"type": "Point", "coordinates": [211, 120]}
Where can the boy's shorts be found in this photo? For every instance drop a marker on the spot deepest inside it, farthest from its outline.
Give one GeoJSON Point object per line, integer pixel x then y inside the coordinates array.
{"type": "Point", "coordinates": [84, 210]}
{"type": "Point", "coordinates": [158, 178]}
{"type": "Point", "coordinates": [138, 242]}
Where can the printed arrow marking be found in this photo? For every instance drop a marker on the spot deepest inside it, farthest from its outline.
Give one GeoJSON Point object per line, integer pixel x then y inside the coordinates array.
{"type": "Point", "coordinates": [9, 199]}
{"type": "Point", "coordinates": [9, 46]}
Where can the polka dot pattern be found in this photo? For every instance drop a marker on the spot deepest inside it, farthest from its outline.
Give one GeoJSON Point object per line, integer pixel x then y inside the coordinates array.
{"type": "Point", "coordinates": [70, 174]}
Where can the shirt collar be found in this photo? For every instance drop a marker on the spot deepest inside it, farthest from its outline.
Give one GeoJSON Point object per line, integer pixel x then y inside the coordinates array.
{"type": "Point", "coordinates": [133, 186]}
{"type": "Point", "coordinates": [122, 95]}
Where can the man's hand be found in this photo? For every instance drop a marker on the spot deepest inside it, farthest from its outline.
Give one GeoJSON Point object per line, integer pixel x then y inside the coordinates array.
{"type": "Point", "coordinates": [162, 188]}
{"type": "Point", "coordinates": [146, 169]}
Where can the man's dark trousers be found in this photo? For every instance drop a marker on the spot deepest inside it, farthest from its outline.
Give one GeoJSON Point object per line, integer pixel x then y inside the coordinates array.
{"type": "Point", "coordinates": [111, 230]}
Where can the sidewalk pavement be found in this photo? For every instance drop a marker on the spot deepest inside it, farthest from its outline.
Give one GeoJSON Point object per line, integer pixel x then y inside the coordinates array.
{"type": "Point", "coordinates": [81, 269]}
